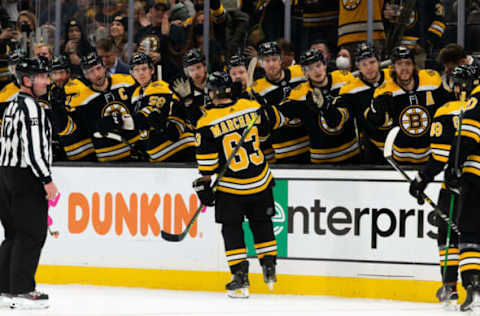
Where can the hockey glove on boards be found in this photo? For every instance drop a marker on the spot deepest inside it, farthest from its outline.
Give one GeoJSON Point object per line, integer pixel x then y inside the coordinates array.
{"type": "Point", "coordinates": [204, 191]}
{"type": "Point", "coordinates": [452, 180]}
{"type": "Point", "coordinates": [110, 123]}
{"type": "Point", "coordinates": [382, 104]}
{"type": "Point", "coordinates": [417, 186]}
{"type": "Point", "coordinates": [158, 121]}
{"type": "Point", "coordinates": [57, 98]}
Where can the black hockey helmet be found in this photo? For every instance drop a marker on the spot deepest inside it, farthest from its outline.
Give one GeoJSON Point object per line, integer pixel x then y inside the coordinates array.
{"type": "Point", "coordinates": [466, 77]}
{"type": "Point", "coordinates": [192, 57]}
{"type": "Point", "coordinates": [89, 61]}
{"type": "Point", "coordinates": [235, 61]}
{"type": "Point", "coordinates": [27, 67]}
{"type": "Point", "coordinates": [59, 63]}
{"type": "Point", "coordinates": [220, 84]}
{"type": "Point", "coordinates": [140, 59]}
{"type": "Point", "coordinates": [402, 52]}
{"type": "Point", "coordinates": [269, 49]}
{"type": "Point", "coordinates": [14, 56]}
{"type": "Point", "coordinates": [310, 57]}
{"type": "Point", "coordinates": [364, 51]}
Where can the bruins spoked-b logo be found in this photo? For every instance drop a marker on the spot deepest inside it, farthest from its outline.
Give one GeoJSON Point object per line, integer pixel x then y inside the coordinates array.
{"type": "Point", "coordinates": [415, 120]}
{"type": "Point", "coordinates": [351, 4]}
{"type": "Point", "coordinates": [114, 106]}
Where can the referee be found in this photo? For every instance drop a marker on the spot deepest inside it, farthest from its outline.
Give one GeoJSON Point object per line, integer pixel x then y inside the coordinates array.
{"type": "Point", "coordinates": [25, 186]}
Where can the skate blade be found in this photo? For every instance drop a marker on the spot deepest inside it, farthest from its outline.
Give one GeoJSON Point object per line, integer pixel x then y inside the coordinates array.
{"type": "Point", "coordinates": [450, 305]}
{"type": "Point", "coordinates": [26, 304]}
{"type": "Point", "coordinates": [270, 285]}
{"type": "Point", "coordinates": [240, 293]}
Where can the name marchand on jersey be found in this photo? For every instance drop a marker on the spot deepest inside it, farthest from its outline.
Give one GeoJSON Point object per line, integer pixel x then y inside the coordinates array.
{"type": "Point", "coordinates": [218, 133]}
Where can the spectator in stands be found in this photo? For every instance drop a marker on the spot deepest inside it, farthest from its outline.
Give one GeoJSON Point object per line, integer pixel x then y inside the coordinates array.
{"type": "Point", "coordinates": [110, 53]}
{"type": "Point", "coordinates": [288, 55]}
{"type": "Point", "coordinates": [118, 31]}
{"type": "Point", "coordinates": [76, 46]}
{"type": "Point", "coordinates": [324, 48]}
{"type": "Point", "coordinates": [153, 40]}
{"type": "Point", "coordinates": [26, 25]}
{"type": "Point", "coordinates": [344, 60]}
{"type": "Point", "coordinates": [272, 23]}
{"type": "Point", "coordinates": [454, 55]}
{"type": "Point", "coordinates": [42, 49]}
{"type": "Point", "coordinates": [140, 18]}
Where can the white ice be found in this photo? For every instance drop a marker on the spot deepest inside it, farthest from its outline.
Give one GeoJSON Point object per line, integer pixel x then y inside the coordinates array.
{"type": "Point", "coordinates": [79, 300]}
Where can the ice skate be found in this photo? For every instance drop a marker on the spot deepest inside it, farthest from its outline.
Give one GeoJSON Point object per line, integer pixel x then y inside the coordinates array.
{"type": "Point", "coordinates": [238, 287]}
{"type": "Point", "coordinates": [5, 300]}
{"type": "Point", "coordinates": [31, 300]}
{"type": "Point", "coordinates": [269, 275]}
{"type": "Point", "coordinates": [448, 296]}
{"type": "Point", "coordinates": [472, 301]}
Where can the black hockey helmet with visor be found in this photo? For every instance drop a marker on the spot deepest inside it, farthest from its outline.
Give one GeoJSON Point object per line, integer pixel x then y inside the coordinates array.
{"type": "Point", "coordinates": [29, 67]}
{"type": "Point", "coordinates": [90, 61]}
{"type": "Point", "coordinates": [192, 57]}
{"type": "Point", "coordinates": [59, 63]}
{"type": "Point", "coordinates": [466, 77]}
{"type": "Point", "coordinates": [236, 60]}
{"type": "Point", "coordinates": [140, 59]}
{"type": "Point", "coordinates": [364, 51]}
{"type": "Point", "coordinates": [269, 49]}
{"type": "Point", "coordinates": [402, 52]}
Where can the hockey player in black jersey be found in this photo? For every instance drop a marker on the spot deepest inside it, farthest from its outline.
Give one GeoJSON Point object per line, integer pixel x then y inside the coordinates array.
{"type": "Point", "coordinates": [191, 90]}
{"type": "Point", "coordinates": [444, 127]}
{"type": "Point", "coordinates": [357, 96]}
{"type": "Point", "coordinates": [410, 99]}
{"type": "Point", "coordinates": [462, 175]}
{"type": "Point", "coordinates": [90, 115]}
{"type": "Point", "coordinates": [329, 128]}
{"type": "Point", "coordinates": [164, 135]}
{"type": "Point", "coordinates": [245, 190]}
{"type": "Point", "coordinates": [274, 88]}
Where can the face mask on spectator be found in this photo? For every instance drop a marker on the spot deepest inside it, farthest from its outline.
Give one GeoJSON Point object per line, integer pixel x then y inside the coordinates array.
{"type": "Point", "coordinates": [342, 63]}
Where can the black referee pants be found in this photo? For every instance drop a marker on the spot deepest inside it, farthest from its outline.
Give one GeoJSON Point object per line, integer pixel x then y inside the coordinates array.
{"type": "Point", "coordinates": [24, 216]}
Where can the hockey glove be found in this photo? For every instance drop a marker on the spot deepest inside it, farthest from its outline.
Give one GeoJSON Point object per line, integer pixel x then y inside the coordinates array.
{"type": "Point", "coordinates": [315, 101]}
{"type": "Point", "coordinates": [261, 100]}
{"type": "Point", "coordinates": [417, 186]}
{"type": "Point", "coordinates": [110, 123]}
{"type": "Point", "coordinates": [204, 191]}
{"type": "Point", "coordinates": [452, 180]}
{"type": "Point", "coordinates": [183, 89]}
{"type": "Point", "coordinates": [57, 98]}
{"type": "Point", "coordinates": [158, 121]}
{"type": "Point", "coordinates": [382, 104]}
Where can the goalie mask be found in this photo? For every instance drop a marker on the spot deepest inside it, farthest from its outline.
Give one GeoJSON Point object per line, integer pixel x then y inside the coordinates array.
{"type": "Point", "coordinates": [220, 84]}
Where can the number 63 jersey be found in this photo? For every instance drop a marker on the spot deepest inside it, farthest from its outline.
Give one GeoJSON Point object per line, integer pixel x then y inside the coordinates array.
{"type": "Point", "coordinates": [219, 132]}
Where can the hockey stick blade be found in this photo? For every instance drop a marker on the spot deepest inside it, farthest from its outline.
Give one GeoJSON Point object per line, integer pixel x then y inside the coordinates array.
{"type": "Point", "coordinates": [388, 147]}
{"type": "Point", "coordinates": [181, 236]}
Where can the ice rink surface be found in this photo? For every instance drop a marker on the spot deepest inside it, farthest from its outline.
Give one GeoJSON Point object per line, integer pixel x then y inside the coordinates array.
{"type": "Point", "coordinates": [73, 300]}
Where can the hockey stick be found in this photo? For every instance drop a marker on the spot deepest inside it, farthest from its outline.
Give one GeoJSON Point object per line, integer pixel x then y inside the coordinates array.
{"type": "Point", "coordinates": [120, 139]}
{"type": "Point", "coordinates": [388, 154]}
{"type": "Point", "coordinates": [456, 167]}
{"type": "Point", "coordinates": [251, 71]}
{"type": "Point", "coordinates": [181, 236]}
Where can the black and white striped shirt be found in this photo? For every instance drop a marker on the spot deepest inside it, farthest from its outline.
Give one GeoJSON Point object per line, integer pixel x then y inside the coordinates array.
{"type": "Point", "coordinates": [26, 138]}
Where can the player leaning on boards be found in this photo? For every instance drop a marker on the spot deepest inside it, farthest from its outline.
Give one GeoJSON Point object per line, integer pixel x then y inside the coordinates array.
{"type": "Point", "coordinates": [462, 174]}
{"type": "Point", "coordinates": [357, 96]}
{"type": "Point", "coordinates": [25, 187]}
{"type": "Point", "coordinates": [410, 99]}
{"type": "Point", "coordinates": [245, 190]}
{"type": "Point", "coordinates": [444, 126]}
{"type": "Point", "coordinates": [288, 144]}
{"type": "Point", "coordinates": [164, 135]}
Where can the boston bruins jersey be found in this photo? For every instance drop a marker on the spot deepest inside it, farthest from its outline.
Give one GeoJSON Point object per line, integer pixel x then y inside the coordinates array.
{"type": "Point", "coordinates": [357, 96]}
{"type": "Point", "coordinates": [87, 106]}
{"type": "Point", "coordinates": [217, 134]}
{"type": "Point", "coordinates": [288, 144]}
{"type": "Point", "coordinates": [7, 94]}
{"type": "Point", "coordinates": [427, 22]}
{"type": "Point", "coordinates": [331, 141]}
{"type": "Point", "coordinates": [413, 112]}
{"type": "Point", "coordinates": [317, 13]}
{"type": "Point", "coordinates": [176, 142]}
{"type": "Point", "coordinates": [352, 21]}
{"type": "Point", "coordinates": [192, 113]}
{"type": "Point", "coordinates": [471, 131]}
